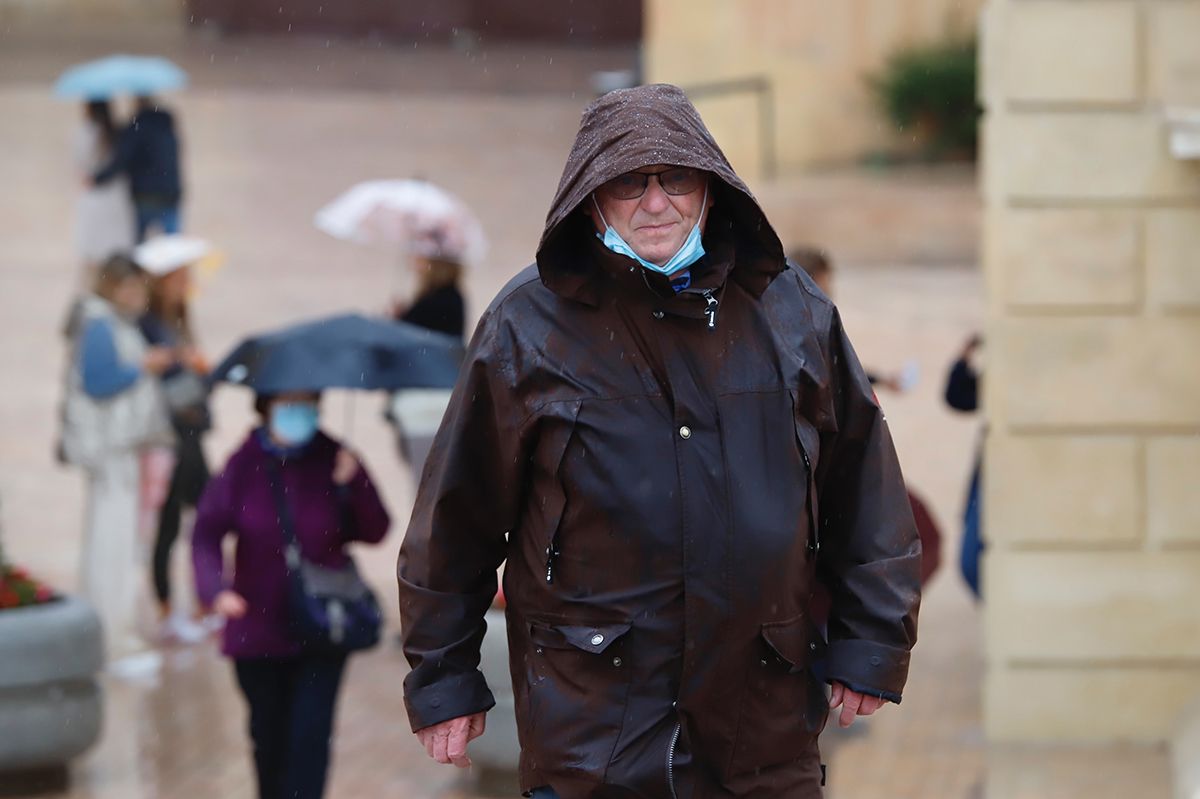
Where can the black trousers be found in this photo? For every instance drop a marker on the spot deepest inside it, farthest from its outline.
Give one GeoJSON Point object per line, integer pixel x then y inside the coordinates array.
{"type": "Point", "coordinates": [292, 703]}
{"type": "Point", "coordinates": [187, 484]}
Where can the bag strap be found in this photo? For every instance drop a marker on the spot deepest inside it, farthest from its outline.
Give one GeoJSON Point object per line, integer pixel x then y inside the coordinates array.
{"type": "Point", "coordinates": [291, 546]}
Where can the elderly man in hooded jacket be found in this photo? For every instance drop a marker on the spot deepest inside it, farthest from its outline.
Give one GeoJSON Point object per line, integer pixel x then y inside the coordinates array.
{"type": "Point", "coordinates": [663, 431]}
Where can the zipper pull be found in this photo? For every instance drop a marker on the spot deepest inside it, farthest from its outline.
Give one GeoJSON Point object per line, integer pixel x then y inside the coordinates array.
{"type": "Point", "coordinates": [551, 554]}
{"type": "Point", "coordinates": [710, 308]}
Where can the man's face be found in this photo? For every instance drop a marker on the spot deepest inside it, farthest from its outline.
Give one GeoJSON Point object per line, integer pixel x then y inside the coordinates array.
{"type": "Point", "coordinates": [655, 223]}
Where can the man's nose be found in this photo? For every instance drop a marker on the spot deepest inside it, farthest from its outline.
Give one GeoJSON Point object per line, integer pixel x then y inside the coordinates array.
{"type": "Point", "coordinates": [655, 200]}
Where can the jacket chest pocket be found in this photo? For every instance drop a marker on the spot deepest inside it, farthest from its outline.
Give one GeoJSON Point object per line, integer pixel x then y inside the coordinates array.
{"type": "Point", "coordinates": [784, 705]}
{"type": "Point", "coordinates": [578, 681]}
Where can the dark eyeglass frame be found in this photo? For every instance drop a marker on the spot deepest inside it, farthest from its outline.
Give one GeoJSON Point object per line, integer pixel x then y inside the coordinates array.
{"type": "Point", "coordinates": [695, 181]}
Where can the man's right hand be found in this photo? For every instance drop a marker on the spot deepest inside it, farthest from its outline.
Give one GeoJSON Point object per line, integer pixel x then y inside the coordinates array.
{"type": "Point", "coordinates": [447, 742]}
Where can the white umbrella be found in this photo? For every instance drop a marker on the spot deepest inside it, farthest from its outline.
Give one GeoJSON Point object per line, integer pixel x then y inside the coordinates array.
{"type": "Point", "coordinates": [163, 255]}
{"type": "Point", "coordinates": [412, 216]}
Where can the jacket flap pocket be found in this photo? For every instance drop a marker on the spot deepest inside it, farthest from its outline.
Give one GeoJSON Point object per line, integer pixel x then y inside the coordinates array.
{"type": "Point", "coordinates": [790, 641]}
{"type": "Point", "coordinates": [588, 638]}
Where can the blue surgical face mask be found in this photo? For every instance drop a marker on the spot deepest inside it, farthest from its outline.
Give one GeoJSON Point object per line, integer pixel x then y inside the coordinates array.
{"type": "Point", "coordinates": [294, 423]}
{"type": "Point", "coordinates": [689, 252]}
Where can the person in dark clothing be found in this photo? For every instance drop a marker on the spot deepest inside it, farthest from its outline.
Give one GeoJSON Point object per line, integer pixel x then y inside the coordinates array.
{"type": "Point", "coordinates": [663, 433]}
{"type": "Point", "coordinates": [962, 394]}
{"type": "Point", "coordinates": [290, 691]}
{"type": "Point", "coordinates": [147, 151]}
{"type": "Point", "coordinates": [167, 324]}
{"type": "Point", "coordinates": [439, 302]}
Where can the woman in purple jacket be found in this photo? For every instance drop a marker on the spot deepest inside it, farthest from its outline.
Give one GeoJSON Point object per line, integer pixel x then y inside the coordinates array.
{"type": "Point", "coordinates": [291, 694]}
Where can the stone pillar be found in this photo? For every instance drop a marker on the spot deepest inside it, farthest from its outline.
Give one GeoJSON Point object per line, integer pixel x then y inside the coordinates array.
{"type": "Point", "coordinates": [1092, 385]}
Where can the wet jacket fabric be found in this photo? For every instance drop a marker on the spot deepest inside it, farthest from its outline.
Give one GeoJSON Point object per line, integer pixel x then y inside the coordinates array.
{"type": "Point", "coordinates": [663, 476]}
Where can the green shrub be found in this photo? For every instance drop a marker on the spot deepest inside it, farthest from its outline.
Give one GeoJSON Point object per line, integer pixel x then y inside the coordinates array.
{"type": "Point", "coordinates": [928, 92]}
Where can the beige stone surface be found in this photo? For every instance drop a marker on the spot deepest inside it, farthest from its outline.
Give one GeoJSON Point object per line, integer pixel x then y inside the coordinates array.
{"type": "Point", "coordinates": [1173, 490]}
{"type": "Point", "coordinates": [1074, 607]}
{"type": "Point", "coordinates": [1072, 156]}
{"type": "Point", "coordinates": [1172, 55]}
{"type": "Point", "coordinates": [1173, 258]}
{"type": "Point", "coordinates": [1053, 772]}
{"type": "Point", "coordinates": [1072, 257]}
{"type": "Point", "coordinates": [1088, 372]}
{"type": "Point", "coordinates": [1068, 52]}
{"type": "Point", "coordinates": [1094, 704]}
{"type": "Point", "coordinates": [816, 55]}
{"type": "Point", "coordinates": [1063, 490]}
{"type": "Point", "coordinates": [1092, 391]}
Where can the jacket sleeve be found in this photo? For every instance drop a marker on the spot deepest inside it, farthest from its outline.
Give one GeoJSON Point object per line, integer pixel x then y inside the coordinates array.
{"type": "Point", "coordinates": [364, 517]}
{"type": "Point", "coordinates": [104, 374]}
{"type": "Point", "coordinates": [121, 157]}
{"type": "Point", "coordinates": [870, 553]}
{"type": "Point", "coordinates": [467, 502]}
{"type": "Point", "coordinates": [962, 387]}
{"type": "Point", "coordinates": [214, 521]}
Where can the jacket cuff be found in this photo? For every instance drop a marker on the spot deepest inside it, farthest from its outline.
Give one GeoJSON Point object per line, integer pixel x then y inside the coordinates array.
{"type": "Point", "coordinates": [869, 668]}
{"type": "Point", "coordinates": [448, 698]}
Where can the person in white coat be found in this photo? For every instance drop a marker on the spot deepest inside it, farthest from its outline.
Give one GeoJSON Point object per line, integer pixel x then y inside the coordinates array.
{"type": "Point", "coordinates": [104, 219]}
{"type": "Point", "coordinates": [114, 409]}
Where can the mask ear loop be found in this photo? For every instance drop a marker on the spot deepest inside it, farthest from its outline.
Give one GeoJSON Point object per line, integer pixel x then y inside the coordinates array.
{"type": "Point", "coordinates": [602, 219]}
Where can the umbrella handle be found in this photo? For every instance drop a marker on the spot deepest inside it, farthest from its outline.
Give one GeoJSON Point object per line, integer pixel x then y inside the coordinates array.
{"type": "Point", "coordinates": [348, 434]}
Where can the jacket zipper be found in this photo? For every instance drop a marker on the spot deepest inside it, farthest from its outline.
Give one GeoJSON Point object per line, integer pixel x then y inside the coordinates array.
{"type": "Point", "coordinates": [814, 543]}
{"type": "Point", "coordinates": [671, 759]}
{"type": "Point", "coordinates": [552, 554]}
{"type": "Point", "coordinates": [711, 304]}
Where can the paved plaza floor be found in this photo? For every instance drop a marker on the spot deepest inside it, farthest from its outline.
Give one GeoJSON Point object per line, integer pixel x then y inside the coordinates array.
{"type": "Point", "coordinates": [269, 143]}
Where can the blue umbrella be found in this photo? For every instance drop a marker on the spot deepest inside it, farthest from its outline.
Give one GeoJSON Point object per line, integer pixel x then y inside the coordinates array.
{"type": "Point", "coordinates": [348, 351]}
{"type": "Point", "coordinates": [120, 74]}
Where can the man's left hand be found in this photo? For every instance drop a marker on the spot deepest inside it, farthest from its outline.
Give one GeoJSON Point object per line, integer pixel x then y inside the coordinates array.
{"type": "Point", "coordinates": [853, 704]}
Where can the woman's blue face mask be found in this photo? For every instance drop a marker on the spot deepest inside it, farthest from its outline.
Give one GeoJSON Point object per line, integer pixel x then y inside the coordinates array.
{"type": "Point", "coordinates": [294, 423]}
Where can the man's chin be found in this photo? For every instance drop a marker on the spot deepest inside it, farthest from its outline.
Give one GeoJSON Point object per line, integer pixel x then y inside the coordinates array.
{"type": "Point", "coordinates": [657, 254]}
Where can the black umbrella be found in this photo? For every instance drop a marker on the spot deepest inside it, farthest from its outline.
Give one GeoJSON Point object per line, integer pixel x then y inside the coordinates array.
{"type": "Point", "coordinates": [348, 351]}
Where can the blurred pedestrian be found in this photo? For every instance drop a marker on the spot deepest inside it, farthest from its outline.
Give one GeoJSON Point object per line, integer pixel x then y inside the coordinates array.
{"type": "Point", "coordinates": [286, 473]}
{"type": "Point", "coordinates": [114, 411]}
{"type": "Point", "coordinates": [664, 433]}
{"type": "Point", "coordinates": [438, 304]}
{"type": "Point", "coordinates": [962, 394]}
{"type": "Point", "coordinates": [147, 152]}
{"type": "Point", "coordinates": [168, 324]}
{"type": "Point", "coordinates": [104, 218]}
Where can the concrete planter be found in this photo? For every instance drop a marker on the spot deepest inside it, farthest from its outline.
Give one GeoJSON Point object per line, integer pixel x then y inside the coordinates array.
{"type": "Point", "coordinates": [50, 709]}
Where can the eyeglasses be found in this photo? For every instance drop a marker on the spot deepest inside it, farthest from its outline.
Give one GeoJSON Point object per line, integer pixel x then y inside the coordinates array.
{"type": "Point", "coordinates": [631, 185]}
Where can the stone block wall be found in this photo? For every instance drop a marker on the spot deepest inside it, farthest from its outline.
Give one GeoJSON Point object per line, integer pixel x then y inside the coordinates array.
{"type": "Point", "coordinates": [1092, 389]}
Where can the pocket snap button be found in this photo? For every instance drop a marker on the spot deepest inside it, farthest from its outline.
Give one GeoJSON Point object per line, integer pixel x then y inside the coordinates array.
{"type": "Point", "coordinates": [597, 639]}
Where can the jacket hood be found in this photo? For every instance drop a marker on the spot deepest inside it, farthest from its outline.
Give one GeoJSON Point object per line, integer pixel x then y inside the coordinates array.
{"type": "Point", "coordinates": [633, 128]}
